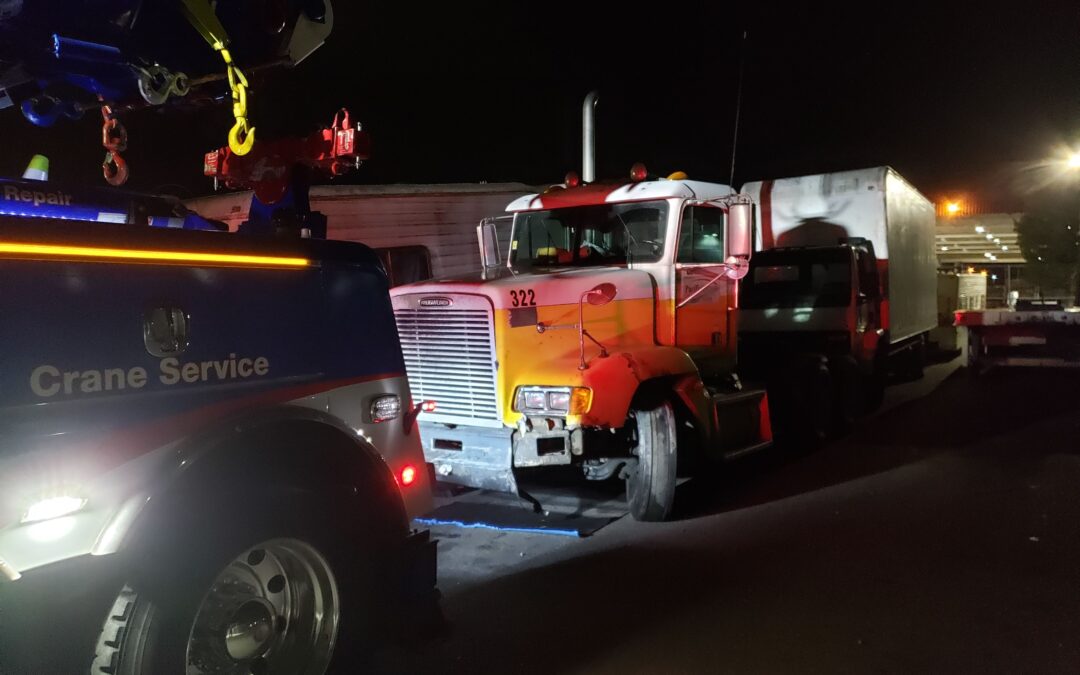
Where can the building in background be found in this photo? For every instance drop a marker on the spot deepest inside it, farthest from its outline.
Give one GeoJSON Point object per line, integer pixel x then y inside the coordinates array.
{"type": "Point", "coordinates": [420, 231]}
{"type": "Point", "coordinates": [987, 242]}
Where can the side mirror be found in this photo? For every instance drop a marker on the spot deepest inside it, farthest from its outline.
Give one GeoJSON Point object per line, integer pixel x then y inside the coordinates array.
{"type": "Point", "coordinates": [489, 244]}
{"type": "Point", "coordinates": [601, 294]}
{"type": "Point", "coordinates": [739, 218]}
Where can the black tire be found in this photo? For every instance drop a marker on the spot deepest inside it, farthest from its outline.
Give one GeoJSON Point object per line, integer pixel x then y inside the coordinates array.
{"type": "Point", "coordinates": [150, 623]}
{"type": "Point", "coordinates": [804, 405]}
{"type": "Point", "coordinates": [650, 489]}
{"type": "Point", "coordinates": [917, 359]}
{"type": "Point", "coordinates": [974, 352]}
{"type": "Point", "coordinates": [873, 388]}
{"type": "Point", "coordinates": [847, 394]}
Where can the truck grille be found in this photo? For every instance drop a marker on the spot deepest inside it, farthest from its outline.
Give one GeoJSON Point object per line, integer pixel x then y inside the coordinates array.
{"type": "Point", "coordinates": [450, 358]}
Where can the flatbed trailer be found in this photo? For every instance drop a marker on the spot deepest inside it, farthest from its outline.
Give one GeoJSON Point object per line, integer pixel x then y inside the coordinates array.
{"type": "Point", "coordinates": [1005, 337]}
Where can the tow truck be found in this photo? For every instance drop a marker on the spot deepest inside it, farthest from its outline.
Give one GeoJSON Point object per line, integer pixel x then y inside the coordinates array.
{"type": "Point", "coordinates": [209, 456]}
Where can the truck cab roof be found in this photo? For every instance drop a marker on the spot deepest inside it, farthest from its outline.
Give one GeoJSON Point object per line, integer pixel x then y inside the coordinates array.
{"type": "Point", "coordinates": [559, 196]}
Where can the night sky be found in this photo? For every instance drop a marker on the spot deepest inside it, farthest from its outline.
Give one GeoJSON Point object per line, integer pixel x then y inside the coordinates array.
{"type": "Point", "coordinates": [957, 98]}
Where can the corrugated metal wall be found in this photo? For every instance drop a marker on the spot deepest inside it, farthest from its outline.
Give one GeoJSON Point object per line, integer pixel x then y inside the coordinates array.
{"type": "Point", "coordinates": [442, 218]}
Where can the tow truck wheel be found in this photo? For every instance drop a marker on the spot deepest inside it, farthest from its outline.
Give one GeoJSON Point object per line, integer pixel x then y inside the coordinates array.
{"type": "Point", "coordinates": [274, 605]}
{"type": "Point", "coordinates": [650, 489]}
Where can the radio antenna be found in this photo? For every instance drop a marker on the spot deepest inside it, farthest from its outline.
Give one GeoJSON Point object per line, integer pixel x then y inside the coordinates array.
{"type": "Point", "coordinates": [738, 107]}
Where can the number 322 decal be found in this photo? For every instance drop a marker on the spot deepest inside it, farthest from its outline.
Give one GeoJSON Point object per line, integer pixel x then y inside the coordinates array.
{"type": "Point", "coordinates": [523, 298]}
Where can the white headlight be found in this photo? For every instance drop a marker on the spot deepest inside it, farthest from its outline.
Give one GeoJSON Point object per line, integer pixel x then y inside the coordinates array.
{"type": "Point", "coordinates": [52, 507]}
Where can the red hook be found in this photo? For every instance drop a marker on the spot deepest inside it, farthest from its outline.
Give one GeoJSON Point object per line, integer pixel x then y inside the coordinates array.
{"type": "Point", "coordinates": [115, 169]}
{"type": "Point", "coordinates": [114, 138]}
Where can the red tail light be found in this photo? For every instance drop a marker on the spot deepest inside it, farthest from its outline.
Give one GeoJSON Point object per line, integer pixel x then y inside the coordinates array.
{"type": "Point", "coordinates": [428, 406]}
{"type": "Point", "coordinates": [408, 475]}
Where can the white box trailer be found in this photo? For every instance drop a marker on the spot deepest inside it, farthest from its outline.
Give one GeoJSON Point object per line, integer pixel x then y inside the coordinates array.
{"type": "Point", "coordinates": [421, 231]}
{"type": "Point", "coordinates": [955, 292]}
{"type": "Point", "coordinates": [846, 269]}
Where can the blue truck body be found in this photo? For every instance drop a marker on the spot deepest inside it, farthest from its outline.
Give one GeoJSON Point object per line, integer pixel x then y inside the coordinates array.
{"type": "Point", "coordinates": [128, 355]}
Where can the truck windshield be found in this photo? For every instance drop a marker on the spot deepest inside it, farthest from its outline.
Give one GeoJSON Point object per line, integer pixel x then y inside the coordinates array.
{"type": "Point", "coordinates": [778, 279]}
{"type": "Point", "coordinates": [581, 236]}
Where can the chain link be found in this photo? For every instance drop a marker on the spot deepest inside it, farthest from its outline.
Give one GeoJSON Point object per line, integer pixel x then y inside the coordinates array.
{"type": "Point", "coordinates": [242, 135]}
{"type": "Point", "coordinates": [114, 139]}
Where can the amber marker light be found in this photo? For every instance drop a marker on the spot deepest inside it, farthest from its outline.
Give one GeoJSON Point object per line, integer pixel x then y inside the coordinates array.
{"type": "Point", "coordinates": [93, 253]}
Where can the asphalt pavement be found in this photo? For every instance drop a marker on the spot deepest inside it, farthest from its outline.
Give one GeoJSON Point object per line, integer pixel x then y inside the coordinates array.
{"type": "Point", "coordinates": [941, 536]}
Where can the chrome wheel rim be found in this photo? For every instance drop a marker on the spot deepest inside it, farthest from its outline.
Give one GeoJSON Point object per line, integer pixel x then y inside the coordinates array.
{"type": "Point", "coordinates": [272, 610]}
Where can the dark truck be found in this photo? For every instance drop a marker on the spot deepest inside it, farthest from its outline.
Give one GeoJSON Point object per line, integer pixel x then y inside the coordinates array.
{"type": "Point", "coordinates": [842, 291]}
{"type": "Point", "coordinates": [208, 452]}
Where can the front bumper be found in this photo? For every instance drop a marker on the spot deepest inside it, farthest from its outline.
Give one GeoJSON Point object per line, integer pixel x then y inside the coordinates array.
{"type": "Point", "coordinates": [485, 458]}
{"type": "Point", "coordinates": [471, 456]}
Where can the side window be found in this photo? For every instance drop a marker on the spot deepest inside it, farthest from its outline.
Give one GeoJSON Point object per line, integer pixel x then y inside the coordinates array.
{"type": "Point", "coordinates": [406, 264]}
{"type": "Point", "coordinates": [701, 237]}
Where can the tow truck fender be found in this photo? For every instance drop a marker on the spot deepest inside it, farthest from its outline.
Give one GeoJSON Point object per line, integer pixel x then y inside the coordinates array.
{"type": "Point", "coordinates": [622, 377]}
{"type": "Point", "coordinates": [257, 457]}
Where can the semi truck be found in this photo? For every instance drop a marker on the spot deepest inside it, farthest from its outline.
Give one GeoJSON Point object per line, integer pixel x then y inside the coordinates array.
{"type": "Point", "coordinates": [843, 285]}
{"type": "Point", "coordinates": [604, 338]}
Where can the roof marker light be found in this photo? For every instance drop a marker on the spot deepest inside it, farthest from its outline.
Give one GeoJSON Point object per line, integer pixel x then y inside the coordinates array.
{"type": "Point", "coordinates": [572, 180]}
{"type": "Point", "coordinates": [638, 172]}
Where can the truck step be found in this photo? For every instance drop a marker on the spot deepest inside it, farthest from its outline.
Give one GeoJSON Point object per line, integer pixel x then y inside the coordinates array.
{"type": "Point", "coordinates": [741, 423]}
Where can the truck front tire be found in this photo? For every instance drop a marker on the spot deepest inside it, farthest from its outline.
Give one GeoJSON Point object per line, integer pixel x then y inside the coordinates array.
{"type": "Point", "coordinates": [650, 489]}
{"type": "Point", "coordinates": [244, 596]}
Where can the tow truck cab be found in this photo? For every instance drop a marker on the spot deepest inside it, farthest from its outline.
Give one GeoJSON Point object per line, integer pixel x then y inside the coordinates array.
{"type": "Point", "coordinates": [157, 383]}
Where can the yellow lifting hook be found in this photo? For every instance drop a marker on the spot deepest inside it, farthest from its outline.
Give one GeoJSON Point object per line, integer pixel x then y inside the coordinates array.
{"type": "Point", "coordinates": [202, 18]}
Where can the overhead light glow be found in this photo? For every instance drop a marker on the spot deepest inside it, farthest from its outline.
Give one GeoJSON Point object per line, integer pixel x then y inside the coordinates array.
{"type": "Point", "coordinates": [980, 229]}
{"type": "Point", "coordinates": [1074, 161]}
{"type": "Point", "coordinates": [952, 208]}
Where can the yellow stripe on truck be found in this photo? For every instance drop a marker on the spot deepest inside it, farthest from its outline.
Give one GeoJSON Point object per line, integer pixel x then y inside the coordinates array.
{"type": "Point", "coordinates": [148, 256]}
